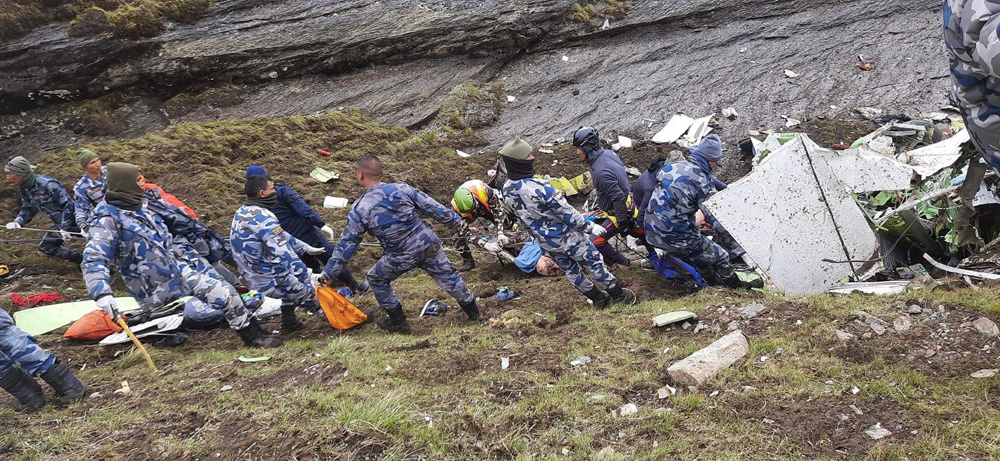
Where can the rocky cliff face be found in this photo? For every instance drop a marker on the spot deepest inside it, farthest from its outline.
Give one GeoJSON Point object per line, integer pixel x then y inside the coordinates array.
{"type": "Point", "coordinates": [397, 60]}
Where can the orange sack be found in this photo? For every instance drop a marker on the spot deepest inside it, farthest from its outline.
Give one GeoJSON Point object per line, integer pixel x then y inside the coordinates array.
{"type": "Point", "coordinates": [341, 314]}
{"type": "Point", "coordinates": [94, 326]}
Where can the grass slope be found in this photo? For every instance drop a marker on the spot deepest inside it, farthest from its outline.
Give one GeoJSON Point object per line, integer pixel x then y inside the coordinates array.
{"type": "Point", "coordinates": [441, 393]}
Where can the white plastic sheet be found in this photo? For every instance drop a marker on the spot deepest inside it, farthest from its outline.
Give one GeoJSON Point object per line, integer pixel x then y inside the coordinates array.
{"type": "Point", "coordinates": [930, 159]}
{"type": "Point", "coordinates": [675, 128]}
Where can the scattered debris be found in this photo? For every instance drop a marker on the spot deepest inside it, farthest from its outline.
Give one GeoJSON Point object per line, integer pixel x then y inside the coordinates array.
{"type": "Point", "coordinates": [463, 154]}
{"type": "Point", "coordinates": [791, 122]}
{"type": "Point", "coordinates": [751, 310]}
{"type": "Point", "coordinates": [334, 202]}
{"type": "Point", "coordinates": [729, 112]}
{"type": "Point", "coordinates": [623, 143]}
{"type": "Point", "coordinates": [705, 363]}
{"type": "Point", "coordinates": [323, 152]}
{"type": "Point", "coordinates": [511, 98]}
{"type": "Point", "coordinates": [673, 317]}
{"type": "Point", "coordinates": [888, 288]}
{"type": "Point", "coordinates": [606, 25]}
{"type": "Point", "coordinates": [877, 432]}
{"type": "Point", "coordinates": [628, 409]}
{"type": "Point", "coordinates": [580, 361]}
{"type": "Point", "coordinates": [790, 74]}
{"type": "Point", "coordinates": [254, 359]}
{"type": "Point", "coordinates": [665, 391]}
{"type": "Point", "coordinates": [226, 388]}
{"type": "Point", "coordinates": [125, 389]}
{"type": "Point", "coordinates": [864, 65]}
{"type": "Point", "coordinates": [323, 175]}
{"type": "Point", "coordinates": [504, 363]}
{"type": "Point", "coordinates": [675, 128]}
{"type": "Point", "coordinates": [843, 335]}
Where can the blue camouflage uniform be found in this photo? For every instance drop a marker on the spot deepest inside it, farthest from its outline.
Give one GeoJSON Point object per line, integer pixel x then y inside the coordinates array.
{"type": "Point", "coordinates": [670, 217]}
{"type": "Point", "coordinates": [560, 231]}
{"type": "Point", "coordinates": [21, 349]}
{"type": "Point", "coordinates": [187, 231]}
{"type": "Point", "coordinates": [47, 195]}
{"type": "Point", "coordinates": [87, 193]}
{"type": "Point", "coordinates": [393, 214]}
{"type": "Point", "coordinates": [155, 270]}
{"type": "Point", "coordinates": [972, 38]}
{"type": "Point", "coordinates": [267, 257]}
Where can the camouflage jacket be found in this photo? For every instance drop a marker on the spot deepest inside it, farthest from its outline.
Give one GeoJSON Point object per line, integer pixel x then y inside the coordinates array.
{"type": "Point", "coordinates": [47, 195]}
{"type": "Point", "coordinates": [971, 37]}
{"type": "Point", "coordinates": [680, 190]}
{"type": "Point", "coordinates": [263, 251]}
{"type": "Point", "coordinates": [544, 212]}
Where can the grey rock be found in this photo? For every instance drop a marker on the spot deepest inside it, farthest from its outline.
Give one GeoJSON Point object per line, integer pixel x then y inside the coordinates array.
{"type": "Point", "coordinates": [752, 311]}
{"type": "Point", "coordinates": [986, 326]}
{"type": "Point", "coordinates": [878, 328]}
{"type": "Point", "coordinates": [915, 309]}
{"type": "Point", "coordinates": [628, 409]}
{"type": "Point", "coordinates": [877, 432]}
{"type": "Point", "coordinates": [902, 323]}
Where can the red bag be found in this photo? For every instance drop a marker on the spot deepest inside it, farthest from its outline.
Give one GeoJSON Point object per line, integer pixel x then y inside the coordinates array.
{"type": "Point", "coordinates": [94, 326]}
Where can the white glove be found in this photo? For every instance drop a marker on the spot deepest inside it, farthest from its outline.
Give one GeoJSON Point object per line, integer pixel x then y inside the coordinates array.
{"type": "Point", "coordinates": [502, 239]}
{"type": "Point", "coordinates": [493, 246]}
{"type": "Point", "coordinates": [597, 231]}
{"type": "Point", "coordinates": [315, 250]}
{"type": "Point", "coordinates": [314, 279]}
{"type": "Point", "coordinates": [65, 235]}
{"type": "Point", "coordinates": [328, 233]}
{"type": "Point", "coordinates": [13, 225]}
{"type": "Point", "coordinates": [109, 305]}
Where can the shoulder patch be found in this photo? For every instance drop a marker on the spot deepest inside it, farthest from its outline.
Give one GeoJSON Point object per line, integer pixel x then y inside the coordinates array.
{"type": "Point", "coordinates": [277, 230]}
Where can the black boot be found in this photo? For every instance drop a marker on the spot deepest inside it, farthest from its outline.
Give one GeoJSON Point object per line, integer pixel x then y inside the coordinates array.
{"type": "Point", "coordinates": [253, 336]}
{"type": "Point", "coordinates": [734, 281]}
{"type": "Point", "coordinates": [620, 295]}
{"type": "Point", "coordinates": [468, 262]}
{"type": "Point", "coordinates": [289, 322]}
{"type": "Point", "coordinates": [67, 386]}
{"type": "Point", "coordinates": [77, 258]}
{"type": "Point", "coordinates": [360, 287]}
{"type": "Point", "coordinates": [394, 321]}
{"type": "Point", "coordinates": [24, 388]}
{"type": "Point", "coordinates": [599, 298]}
{"type": "Point", "coordinates": [471, 309]}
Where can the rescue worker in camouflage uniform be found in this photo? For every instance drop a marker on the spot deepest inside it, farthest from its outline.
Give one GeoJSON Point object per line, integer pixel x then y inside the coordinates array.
{"type": "Point", "coordinates": [89, 190]}
{"type": "Point", "coordinates": [393, 213]}
{"type": "Point", "coordinates": [558, 228]}
{"type": "Point", "coordinates": [302, 222]}
{"type": "Point", "coordinates": [474, 200]}
{"type": "Point", "coordinates": [124, 233]}
{"type": "Point", "coordinates": [670, 217]}
{"type": "Point", "coordinates": [972, 38]}
{"type": "Point", "coordinates": [42, 193]}
{"type": "Point", "coordinates": [21, 358]}
{"type": "Point", "coordinates": [616, 213]}
{"type": "Point", "coordinates": [268, 256]}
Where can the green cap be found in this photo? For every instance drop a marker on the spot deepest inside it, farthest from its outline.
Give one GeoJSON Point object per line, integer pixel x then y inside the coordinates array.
{"type": "Point", "coordinates": [84, 156]}
{"type": "Point", "coordinates": [19, 166]}
{"type": "Point", "coordinates": [516, 149]}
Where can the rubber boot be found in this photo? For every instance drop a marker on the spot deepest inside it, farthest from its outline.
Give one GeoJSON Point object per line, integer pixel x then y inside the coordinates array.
{"type": "Point", "coordinates": [599, 298]}
{"type": "Point", "coordinates": [620, 295]}
{"type": "Point", "coordinates": [734, 281]}
{"type": "Point", "coordinates": [471, 309]}
{"type": "Point", "coordinates": [360, 287]}
{"type": "Point", "coordinates": [253, 336]}
{"type": "Point", "coordinates": [77, 258]}
{"type": "Point", "coordinates": [68, 388]}
{"type": "Point", "coordinates": [24, 388]}
{"type": "Point", "coordinates": [468, 262]}
{"type": "Point", "coordinates": [289, 322]}
{"type": "Point", "coordinates": [395, 320]}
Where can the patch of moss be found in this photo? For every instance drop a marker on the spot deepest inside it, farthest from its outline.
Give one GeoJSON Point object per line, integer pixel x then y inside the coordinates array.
{"type": "Point", "coordinates": [591, 14]}
{"type": "Point", "coordinates": [130, 19]}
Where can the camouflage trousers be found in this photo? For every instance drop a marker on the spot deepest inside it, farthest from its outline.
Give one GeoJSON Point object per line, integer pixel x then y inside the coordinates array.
{"type": "Point", "coordinates": [215, 294]}
{"type": "Point", "coordinates": [432, 260]}
{"type": "Point", "coordinates": [574, 259]}
{"type": "Point", "coordinates": [52, 245]}
{"type": "Point", "coordinates": [708, 257]}
{"type": "Point", "coordinates": [19, 348]}
{"type": "Point", "coordinates": [296, 291]}
{"type": "Point", "coordinates": [987, 142]}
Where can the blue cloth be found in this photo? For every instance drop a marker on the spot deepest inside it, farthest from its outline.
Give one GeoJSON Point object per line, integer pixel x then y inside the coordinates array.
{"type": "Point", "coordinates": [254, 170]}
{"type": "Point", "coordinates": [297, 217]}
{"type": "Point", "coordinates": [672, 268]}
{"type": "Point", "coordinates": [19, 348]}
{"type": "Point", "coordinates": [528, 258]}
{"type": "Point", "coordinates": [710, 148]}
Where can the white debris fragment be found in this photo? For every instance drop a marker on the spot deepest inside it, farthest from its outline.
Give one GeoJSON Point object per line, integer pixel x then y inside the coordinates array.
{"type": "Point", "coordinates": [463, 154]}
{"type": "Point", "coordinates": [606, 25]}
{"type": "Point", "coordinates": [581, 360]}
{"type": "Point", "coordinates": [388, 368]}
{"type": "Point", "coordinates": [628, 409]}
{"type": "Point", "coordinates": [729, 112]}
{"type": "Point", "coordinates": [504, 363]}
{"type": "Point", "coordinates": [511, 98]}
{"type": "Point", "coordinates": [985, 373]}
{"type": "Point", "coordinates": [565, 58]}
{"type": "Point", "coordinates": [790, 74]}
{"type": "Point", "coordinates": [877, 432]}
{"type": "Point", "coordinates": [226, 388]}
{"type": "Point", "coordinates": [674, 129]}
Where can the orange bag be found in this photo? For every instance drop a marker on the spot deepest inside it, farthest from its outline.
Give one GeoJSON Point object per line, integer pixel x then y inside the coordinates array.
{"type": "Point", "coordinates": [341, 314]}
{"type": "Point", "coordinates": [94, 326]}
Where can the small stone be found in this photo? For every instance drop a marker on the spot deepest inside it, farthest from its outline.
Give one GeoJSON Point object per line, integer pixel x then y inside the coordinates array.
{"type": "Point", "coordinates": [915, 309]}
{"type": "Point", "coordinates": [902, 323]}
{"type": "Point", "coordinates": [628, 409]}
{"type": "Point", "coordinates": [930, 353]}
{"type": "Point", "coordinates": [751, 311]}
{"type": "Point", "coordinates": [985, 373]}
{"type": "Point", "coordinates": [606, 453]}
{"type": "Point", "coordinates": [986, 326]}
{"type": "Point", "coordinates": [878, 328]}
{"type": "Point", "coordinates": [388, 368]}
{"type": "Point", "coordinates": [686, 325]}
{"type": "Point", "coordinates": [763, 358]}
{"type": "Point", "coordinates": [843, 335]}
{"type": "Point", "coordinates": [856, 410]}
{"type": "Point", "coordinates": [597, 397]}
{"type": "Point", "coordinates": [855, 390]}
{"type": "Point", "coordinates": [733, 326]}
{"type": "Point", "coordinates": [768, 421]}
{"type": "Point", "coordinates": [565, 451]}
{"type": "Point", "coordinates": [877, 432]}
{"type": "Point", "coordinates": [699, 327]}
{"type": "Point", "coordinates": [713, 394]}
{"type": "Point", "coordinates": [96, 395]}
{"type": "Point", "coordinates": [662, 393]}
{"type": "Point", "coordinates": [226, 388]}
{"type": "Point", "coordinates": [580, 361]}
{"type": "Point", "coordinates": [914, 432]}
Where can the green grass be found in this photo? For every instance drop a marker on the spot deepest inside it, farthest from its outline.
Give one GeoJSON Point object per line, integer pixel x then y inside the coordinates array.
{"type": "Point", "coordinates": [131, 19]}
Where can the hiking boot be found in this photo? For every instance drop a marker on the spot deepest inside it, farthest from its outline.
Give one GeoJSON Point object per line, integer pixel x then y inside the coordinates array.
{"type": "Point", "coordinates": [370, 313]}
{"type": "Point", "coordinates": [24, 388]}
{"type": "Point", "coordinates": [734, 281]}
{"type": "Point", "coordinates": [289, 322]}
{"type": "Point", "coordinates": [621, 296]}
{"type": "Point", "coordinates": [253, 336]}
{"type": "Point", "coordinates": [77, 258]}
{"type": "Point", "coordinates": [468, 263]}
{"type": "Point", "coordinates": [360, 287]}
{"type": "Point", "coordinates": [599, 298]}
{"type": "Point", "coordinates": [68, 388]}
{"type": "Point", "coordinates": [471, 309]}
{"type": "Point", "coordinates": [394, 321]}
